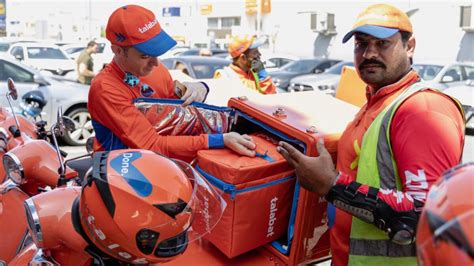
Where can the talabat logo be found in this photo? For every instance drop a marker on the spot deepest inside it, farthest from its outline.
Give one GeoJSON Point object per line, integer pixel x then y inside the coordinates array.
{"type": "Point", "coordinates": [272, 217]}
{"type": "Point", "coordinates": [123, 164]}
{"type": "Point", "coordinates": [148, 26]}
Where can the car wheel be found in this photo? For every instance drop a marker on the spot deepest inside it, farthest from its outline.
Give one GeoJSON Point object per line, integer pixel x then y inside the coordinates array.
{"type": "Point", "coordinates": [83, 127]}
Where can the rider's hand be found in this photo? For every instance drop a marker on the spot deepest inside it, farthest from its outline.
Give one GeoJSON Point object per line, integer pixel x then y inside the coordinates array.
{"type": "Point", "coordinates": [241, 144]}
{"type": "Point", "coordinates": [194, 92]}
{"type": "Point", "coordinates": [316, 174]}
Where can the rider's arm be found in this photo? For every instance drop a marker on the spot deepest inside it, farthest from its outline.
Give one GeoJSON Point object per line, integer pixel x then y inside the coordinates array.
{"type": "Point", "coordinates": [427, 138]}
{"type": "Point", "coordinates": [112, 107]}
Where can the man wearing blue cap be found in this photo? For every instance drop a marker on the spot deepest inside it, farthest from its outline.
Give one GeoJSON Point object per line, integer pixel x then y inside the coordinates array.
{"type": "Point", "coordinates": [399, 143]}
{"type": "Point", "coordinates": [135, 71]}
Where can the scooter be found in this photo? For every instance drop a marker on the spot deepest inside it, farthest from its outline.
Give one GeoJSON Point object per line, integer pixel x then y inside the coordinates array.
{"type": "Point", "coordinates": [10, 124]}
{"type": "Point", "coordinates": [126, 212]}
{"type": "Point", "coordinates": [31, 167]}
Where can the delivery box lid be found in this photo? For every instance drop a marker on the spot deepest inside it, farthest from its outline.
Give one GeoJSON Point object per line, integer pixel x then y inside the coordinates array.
{"type": "Point", "coordinates": [305, 116]}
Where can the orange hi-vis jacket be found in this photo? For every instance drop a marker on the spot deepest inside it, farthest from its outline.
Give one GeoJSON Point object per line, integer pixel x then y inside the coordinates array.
{"type": "Point", "coordinates": [427, 138]}
{"type": "Point", "coordinates": [264, 86]}
{"type": "Point", "coordinates": [118, 124]}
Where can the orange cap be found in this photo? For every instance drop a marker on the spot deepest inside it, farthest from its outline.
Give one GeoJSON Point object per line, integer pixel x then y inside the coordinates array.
{"type": "Point", "coordinates": [240, 44]}
{"type": "Point", "coordinates": [137, 26]}
{"type": "Point", "coordinates": [381, 21]}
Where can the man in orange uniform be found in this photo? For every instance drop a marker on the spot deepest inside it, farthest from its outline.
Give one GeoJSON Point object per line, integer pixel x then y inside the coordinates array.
{"type": "Point", "coordinates": [137, 40]}
{"type": "Point", "coordinates": [247, 66]}
{"type": "Point", "coordinates": [388, 157]}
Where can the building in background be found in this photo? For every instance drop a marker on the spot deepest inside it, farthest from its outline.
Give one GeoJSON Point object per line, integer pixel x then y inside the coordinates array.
{"type": "Point", "coordinates": [444, 29]}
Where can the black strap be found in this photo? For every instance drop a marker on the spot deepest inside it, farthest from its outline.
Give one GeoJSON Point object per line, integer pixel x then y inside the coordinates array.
{"type": "Point", "coordinates": [352, 188]}
{"type": "Point", "coordinates": [372, 195]}
{"type": "Point", "coordinates": [100, 258]}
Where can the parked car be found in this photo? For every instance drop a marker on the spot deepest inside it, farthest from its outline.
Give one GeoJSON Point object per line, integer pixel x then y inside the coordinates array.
{"type": "Point", "coordinates": [281, 78]}
{"type": "Point", "coordinates": [195, 51]}
{"type": "Point", "coordinates": [176, 50]}
{"type": "Point", "coordinates": [326, 82]}
{"type": "Point", "coordinates": [5, 43]}
{"type": "Point", "coordinates": [197, 67]}
{"type": "Point", "coordinates": [465, 94]}
{"type": "Point", "coordinates": [45, 57]}
{"type": "Point", "coordinates": [274, 61]}
{"type": "Point", "coordinates": [444, 75]}
{"type": "Point", "coordinates": [70, 95]}
{"type": "Point", "coordinates": [73, 50]}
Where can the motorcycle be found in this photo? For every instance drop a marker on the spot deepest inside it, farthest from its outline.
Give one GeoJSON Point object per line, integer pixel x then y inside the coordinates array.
{"type": "Point", "coordinates": [10, 123]}
{"type": "Point", "coordinates": [31, 167]}
{"type": "Point", "coordinates": [124, 212]}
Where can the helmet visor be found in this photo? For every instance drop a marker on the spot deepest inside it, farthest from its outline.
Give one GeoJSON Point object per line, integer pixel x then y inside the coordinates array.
{"type": "Point", "coordinates": [206, 207]}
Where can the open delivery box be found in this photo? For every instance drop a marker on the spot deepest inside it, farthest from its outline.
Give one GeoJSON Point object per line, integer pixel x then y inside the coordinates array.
{"type": "Point", "coordinates": [300, 119]}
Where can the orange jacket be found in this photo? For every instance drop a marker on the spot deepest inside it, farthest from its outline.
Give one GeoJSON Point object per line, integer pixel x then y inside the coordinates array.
{"type": "Point", "coordinates": [427, 136]}
{"type": "Point", "coordinates": [264, 86]}
{"type": "Point", "coordinates": [118, 124]}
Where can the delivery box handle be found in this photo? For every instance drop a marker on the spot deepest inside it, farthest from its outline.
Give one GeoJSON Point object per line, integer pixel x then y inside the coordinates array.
{"type": "Point", "coordinates": [265, 156]}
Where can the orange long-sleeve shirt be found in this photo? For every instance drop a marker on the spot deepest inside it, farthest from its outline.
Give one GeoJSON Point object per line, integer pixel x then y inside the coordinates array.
{"type": "Point", "coordinates": [427, 136]}
{"type": "Point", "coordinates": [119, 124]}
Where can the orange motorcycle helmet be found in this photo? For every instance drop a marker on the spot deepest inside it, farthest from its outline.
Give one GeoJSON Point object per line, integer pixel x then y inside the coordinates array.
{"type": "Point", "coordinates": [445, 234]}
{"type": "Point", "coordinates": [140, 207]}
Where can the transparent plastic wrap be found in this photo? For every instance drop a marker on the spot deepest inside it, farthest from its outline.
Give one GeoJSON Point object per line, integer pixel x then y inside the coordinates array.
{"type": "Point", "coordinates": [169, 118]}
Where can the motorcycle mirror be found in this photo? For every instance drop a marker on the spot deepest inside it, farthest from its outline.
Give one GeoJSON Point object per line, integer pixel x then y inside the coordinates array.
{"type": "Point", "coordinates": [12, 89]}
{"type": "Point", "coordinates": [58, 128]}
{"type": "Point", "coordinates": [90, 145]}
{"type": "Point", "coordinates": [13, 94]}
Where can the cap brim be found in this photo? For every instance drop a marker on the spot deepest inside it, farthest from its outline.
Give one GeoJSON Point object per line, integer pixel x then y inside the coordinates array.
{"type": "Point", "coordinates": [157, 45]}
{"type": "Point", "coordinates": [376, 31]}
{"type": "Point", "coordinates": [258, 42]}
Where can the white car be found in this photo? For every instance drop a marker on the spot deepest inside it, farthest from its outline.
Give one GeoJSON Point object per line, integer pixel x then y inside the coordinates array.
{"type": "Point", "coordinates": [444, 75]}
{"type": "Point", "coordinates": [465, 94]}
{"type": "Point", "coordinates": [48, 58]}
{"type": "Point", "coordinates": [274, 61]}
{"type": "Point", "coordinates": [73, 50]}
{"type": "Point", "coordinates": [325, 82]}
{"type": "Point", "coordinates": [71, 96]}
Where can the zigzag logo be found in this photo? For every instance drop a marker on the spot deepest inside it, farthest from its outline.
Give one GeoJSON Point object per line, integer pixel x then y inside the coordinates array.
{"type": "Point", "coordinates": [120, 37]}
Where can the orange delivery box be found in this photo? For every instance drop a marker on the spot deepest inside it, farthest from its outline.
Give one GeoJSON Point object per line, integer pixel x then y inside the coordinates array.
{"type": "Point", "coordinates": [299, 119]}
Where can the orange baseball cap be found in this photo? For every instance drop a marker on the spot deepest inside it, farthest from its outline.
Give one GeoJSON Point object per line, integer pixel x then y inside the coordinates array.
{"type": "Point", "coordinates": [136, 26]}
{"type": "Point", "coordinates": [381, 21]}
{"type": "Point", "coordinates": [240, 44]}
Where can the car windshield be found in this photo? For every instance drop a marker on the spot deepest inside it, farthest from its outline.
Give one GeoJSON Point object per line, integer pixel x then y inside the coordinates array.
{"type": "Point", "coordinates": [337, 68]}
{"type": "Point", "coordinates": [206, 71]}
{"type": "Point", "coordinates": [4, 46]}
{"type": "Point", "coordinates": [72, 50]}
{"type": "Point", "coordinates": [427, 72]}
{"type": "Point", "coordinates": [300, 66]}
{"type": "Point", "coordinates": [45, 53]}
